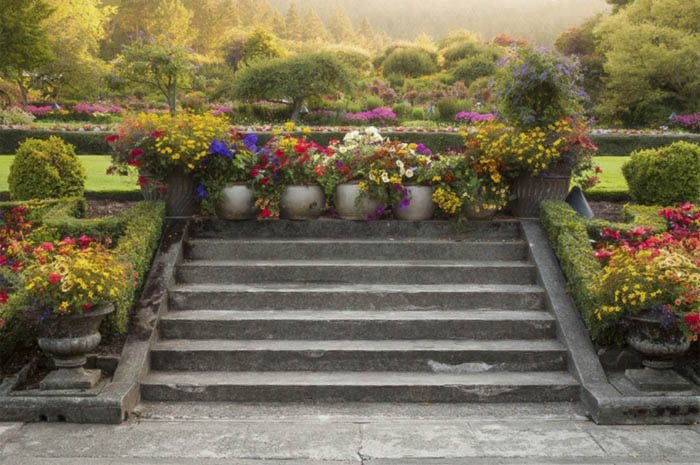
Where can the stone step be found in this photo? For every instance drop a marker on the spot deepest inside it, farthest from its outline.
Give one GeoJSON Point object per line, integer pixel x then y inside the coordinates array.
{"type": "Point", "coordinates": [362, 324]}
{"type": "Point", "coordinates": [311, 296]}
{"type": "Point", "coordinates": [358, 355]}
{"type": "Point", "coordinates": [359, 387]}
{"type": "Point", "coordinates": [357, 271]}
{"type": "Point", "coordinates": [354, 249]}
{"type": "Point", "coordinates": [337, 228]}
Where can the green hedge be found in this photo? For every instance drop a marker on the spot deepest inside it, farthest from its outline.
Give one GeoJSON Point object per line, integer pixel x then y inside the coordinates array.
{"type": "Point", "coordinates": [618, 145]}
{"type": "Point", "coordinates": [136, 233]}
{"type": "Point", "coordinates": [570, 237]}
{"type": "Point", "coordinates": [86, 143]}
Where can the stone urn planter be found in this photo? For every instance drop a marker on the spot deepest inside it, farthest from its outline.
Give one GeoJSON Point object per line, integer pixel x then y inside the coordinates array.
{"type": "Point", "coordinates": [659, 342]}
{"type": "Point", "coordinates": [421, 207]}
{"type": "Point", "coordinates": [302, 202]}
{"type": "Point", "coordinates": [348, 207]}
{"type": "Point", "coordinates": [474, 211]}
{"type": "Point", "coordinates": [531, 190]}
{"type": "Point", "coordinates": [236, 202]}
{"type": "Point", "coordinates": [68, 339]}
{"type": "Point", "coordinates": [180, 196]}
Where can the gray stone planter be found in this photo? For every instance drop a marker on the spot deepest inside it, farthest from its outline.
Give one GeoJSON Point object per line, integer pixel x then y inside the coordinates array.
{"type": "Point", "coordinates": [302, 202]}
{"type": "Point", "coordinates": [236, 202]}
{"type": "Point", "coordinates": [421, 207]}
{"type": "Point", "coordinates": [531, 190]}
{"type": "Point", "coordinates": [659, 342]}
{"type": "Point", "coordinates": [149, 191]}
{"type": "Point", "coordinates": [180, 196]}
{"type": "Point", "coordinates": [69, 338]}
{"type": "Point", "coordinates": [348, 207]}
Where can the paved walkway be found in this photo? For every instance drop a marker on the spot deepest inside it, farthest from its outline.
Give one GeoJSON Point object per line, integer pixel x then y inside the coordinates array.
{"type": "Point", "coordinates": [377, 434]}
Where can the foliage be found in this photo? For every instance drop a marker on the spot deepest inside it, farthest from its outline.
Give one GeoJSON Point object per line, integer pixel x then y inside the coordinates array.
{"type": "Point", "coordinates": [15, 115]}
{"type": "Point", "coordinates": [161, 145]}
{"type": "Point", "coordinates": [461, 51]}
{"type": "Point", "coordinates": [687, 122]}
{"type": "Point", "coordinates": [84, 142]}
{"type": "Point", "coordinates": [664, 176]}
{"type": "Point", "coordinates": [408, 62]}
{"type": "Point", "coordinates": [24, 41]}
{"type": "Point", "coordinates": [651, 47]}
{"type": "Point", "coordinates": [45, 169]}
{"type": "Point", "coordinates": [291, 79]}
{"type": "Point", "coordinates": [159, 65]}
{"type": "Point", "coordinates": [261, 45]}
{"type": "Point", "coordinates": [470, 69]}
{"type": "Point", "coordinates": [538, 87]}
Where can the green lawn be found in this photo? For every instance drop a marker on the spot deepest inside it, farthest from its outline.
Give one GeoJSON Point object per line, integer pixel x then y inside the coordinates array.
{"type": "Point", "coordinates": [95, 167]}
{"type": "Point", "coordinates": [611, 178]}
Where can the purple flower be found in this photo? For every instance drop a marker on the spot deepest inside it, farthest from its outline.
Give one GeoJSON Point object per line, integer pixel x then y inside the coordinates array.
{"type": "Point", "coordinates": [219, 148]}
{"type": "Point", "coordinates": [250, 141]}
{"type": "Point", "coordinates": [201, 192]}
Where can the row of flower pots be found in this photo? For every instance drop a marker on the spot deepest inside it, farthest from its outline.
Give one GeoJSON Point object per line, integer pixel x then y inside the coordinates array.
{"type": "Point", "coordinates": [305, 202]}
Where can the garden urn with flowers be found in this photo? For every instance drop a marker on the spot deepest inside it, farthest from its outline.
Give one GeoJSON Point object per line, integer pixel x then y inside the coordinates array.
{"type": "Point", "coordinates": [68, 290]}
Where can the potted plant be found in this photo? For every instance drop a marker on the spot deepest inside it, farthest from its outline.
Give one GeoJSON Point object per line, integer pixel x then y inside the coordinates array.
{"type": "Point", "coordinates": [67, 290]}
{"type": "Point", "coordinates": [169, 152]}
{"type": "Point", "coordinates": [411, 181]}
{"type": "Point", "coordinates": [301, 164]}
{"type": "Point", "coordinates": [223, 180]}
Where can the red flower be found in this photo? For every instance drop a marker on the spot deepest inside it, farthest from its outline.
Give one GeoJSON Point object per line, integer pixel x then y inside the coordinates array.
{"type": "Point", "coordinates": [136, 152]}
{"type": "Point", "coordinates": [47, 246]}
{"type": "Point", "coordinates": [265, 213]}
{"type": "Point", "coordinates": [156, 134]}
{"type": "Point", "coordinates": [54, 278]}
{"type": "Point", "coordinates": [110, 170]}
{"type": "Point", "coordinates": [3, 300]}
{"type": "Point", "coordinates": [87, 306]}
{"type": "Point", "coordinates": [134, 162]}
{"type": "Point", "coordinates": [111, 138]}
{"type": "Point", "coordinates": [253, 172]}
{"type": "Point", "coordinates": [84, 240]}
{"type": "Point", "coordinates": [142, 181]}
{"type": "Point", "coordinates": [265, 180]}
{"type": "Point", "coordinates": [598, 169]}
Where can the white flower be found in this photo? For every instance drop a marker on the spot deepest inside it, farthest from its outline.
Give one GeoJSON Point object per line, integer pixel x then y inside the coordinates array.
{"type": "Point", "coordinates": [409, 173]}
{"type": "Point", "coordinates": [399, 163]}
{"type": "Point", "coordinates": [385, 178]}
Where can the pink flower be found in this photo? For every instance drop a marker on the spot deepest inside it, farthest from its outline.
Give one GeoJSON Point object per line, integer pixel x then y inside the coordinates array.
{"type": "Point", "coordinates": [54, 278]}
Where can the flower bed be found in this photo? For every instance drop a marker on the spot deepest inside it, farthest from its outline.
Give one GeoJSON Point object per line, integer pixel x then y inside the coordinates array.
{"type": "Point", "coordinates": [45, 245]}
{"type": "Point", "coordinates": [652, 262]}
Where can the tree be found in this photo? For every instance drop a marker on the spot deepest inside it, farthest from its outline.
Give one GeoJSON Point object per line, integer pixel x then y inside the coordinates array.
{"type": "Point", "coordinates": [365, 32]}
{"type": "Point", "coordinates": [24, 41]}
{"type": "Point", "coordinates": [157, 64]}
{"type": "Point", "coordinates": [293, 28]}
{"type": "Point", "coordinates": [340, 25]}
{"type": "Point", "coordinates": [653, 50]}
{"type": "Point", "coordinates": [314, 29]}
{"type": "Point", "coordinates": [456, 37]}
{"type": "Point", "coordinates": [291, 80]}
{"type": "Point", "coordinates": [212, 21]}
{"type": "Point", "coordinates": [261, 45]}
{"type": "Point", "coordinates": [617, 4]}
{"type": "Point", "coordinates": [408, 62]}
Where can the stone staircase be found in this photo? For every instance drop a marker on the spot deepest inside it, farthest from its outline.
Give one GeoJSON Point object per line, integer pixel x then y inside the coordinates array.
{"type": "Point", "coordinates": [334, 310]}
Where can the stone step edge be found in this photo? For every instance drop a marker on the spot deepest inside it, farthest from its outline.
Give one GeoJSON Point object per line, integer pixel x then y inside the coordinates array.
{"type": "Point", "coordinates": [285, 287]}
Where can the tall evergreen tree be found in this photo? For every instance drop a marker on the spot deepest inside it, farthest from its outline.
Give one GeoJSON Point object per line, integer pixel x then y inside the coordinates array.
{"type": "Point", "coordinates": [293, 26]}
{"type": "Point", "coordinates": [340, 25]}
{"type": "Point", "coordinates": [365, 30]}
{"type": "Point", "coordinates": [313, 28]}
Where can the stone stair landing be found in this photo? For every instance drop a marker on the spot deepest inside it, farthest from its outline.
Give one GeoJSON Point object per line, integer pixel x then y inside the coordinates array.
{"type": "Point", "coordinates": [334, 310]}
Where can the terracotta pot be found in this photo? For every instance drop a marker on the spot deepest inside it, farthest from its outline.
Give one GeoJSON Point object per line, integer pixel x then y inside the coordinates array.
{"type": "Point", "coordinates": [531, 190]}
{"type": "Point", "coordinates": [180, 196]}
{"type": "Point", "coordinates": [302, 202]}
{"type": "Point", "coordinates": [421, 207]}
{"type": "Point", "coordinates": [69, 338]}
{"type": "Point", "coordinates": [348, 207]}
{"type": "Point", "coordinates": [236, 202]}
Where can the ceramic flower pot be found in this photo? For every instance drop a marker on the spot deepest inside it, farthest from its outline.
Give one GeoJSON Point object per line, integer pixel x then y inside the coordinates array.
{"type": "Point", "coordinates": [348, 207]}
{"type": "Point", "coordinates": [421, 206]}
{"type": "Point", "coordinates": [236, 202]}
{"type": "Point", "coordinates": [68, 339]}
{"type": "Point", "coordinates": [530, 190]}
{"type": "Point", "coordinates": [302, 202]}
{"type": "Point", "coordinates": [180, 196]}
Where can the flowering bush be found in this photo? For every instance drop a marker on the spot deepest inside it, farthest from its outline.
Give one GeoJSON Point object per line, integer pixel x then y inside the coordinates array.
{"type": "Point", "coordinates": [660, 272]}
{"type": "Point", "coordinates": [538, 87]}
{"type": "Point", "coordinates": [469, 117]}
{"type": "Point", "coordinates": [689, 122]}
{"type": "Point", "coordinates": [160, 145]}
{"type": "Point", "coordinates": [378, 115]}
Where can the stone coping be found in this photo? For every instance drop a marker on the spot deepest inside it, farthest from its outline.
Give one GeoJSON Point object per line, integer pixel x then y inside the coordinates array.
{"type": "Point", "coordinates": [111, 401]}
{"type": "Point", "coordinates": [602, 401]}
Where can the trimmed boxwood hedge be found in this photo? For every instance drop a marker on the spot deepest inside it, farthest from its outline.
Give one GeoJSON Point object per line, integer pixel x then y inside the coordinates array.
{"type": "Point", "coordinates": [570, 237]}
{"type": "Point", "coordinates": [136, 233]}
{"type": "Point", "coordinates": [93, 143]}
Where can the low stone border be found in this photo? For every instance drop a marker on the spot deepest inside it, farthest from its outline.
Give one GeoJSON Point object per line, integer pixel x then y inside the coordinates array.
{"type": "Point", "coordinates": [603, 403]}
{"type": "Point", "coordinates": [110, 402]}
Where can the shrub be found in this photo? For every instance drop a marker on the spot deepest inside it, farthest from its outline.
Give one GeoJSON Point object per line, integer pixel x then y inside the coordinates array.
{"type": "Point", "coordinates": [470, 69]}
{"type": "Point", "coordinates": [418, 114]}
{"type": "Point", "coordinates": [372, 102]}
{"type": "Point", "coordinates": [447, 109]}
{"type": "Point", "coordinates": [409, 62]}
{"type": "Point", "coordinates": [15, 115]}
{"type": "Point", "coordinates": [44, 169]}
{"type": "Point", "coordinates": [460, 52]}
{"type": "Point", "coordinates": [402, 110]}
{"type": "Point", "coordinates": [665, 176]}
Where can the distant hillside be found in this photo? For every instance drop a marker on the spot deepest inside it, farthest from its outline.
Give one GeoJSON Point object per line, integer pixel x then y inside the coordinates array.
{"type": "Point", "coordinates": [539, 20]}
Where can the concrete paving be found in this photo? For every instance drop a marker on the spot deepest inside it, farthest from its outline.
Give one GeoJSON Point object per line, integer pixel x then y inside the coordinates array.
{"type": "Point", "coordinates": [377, 434]}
